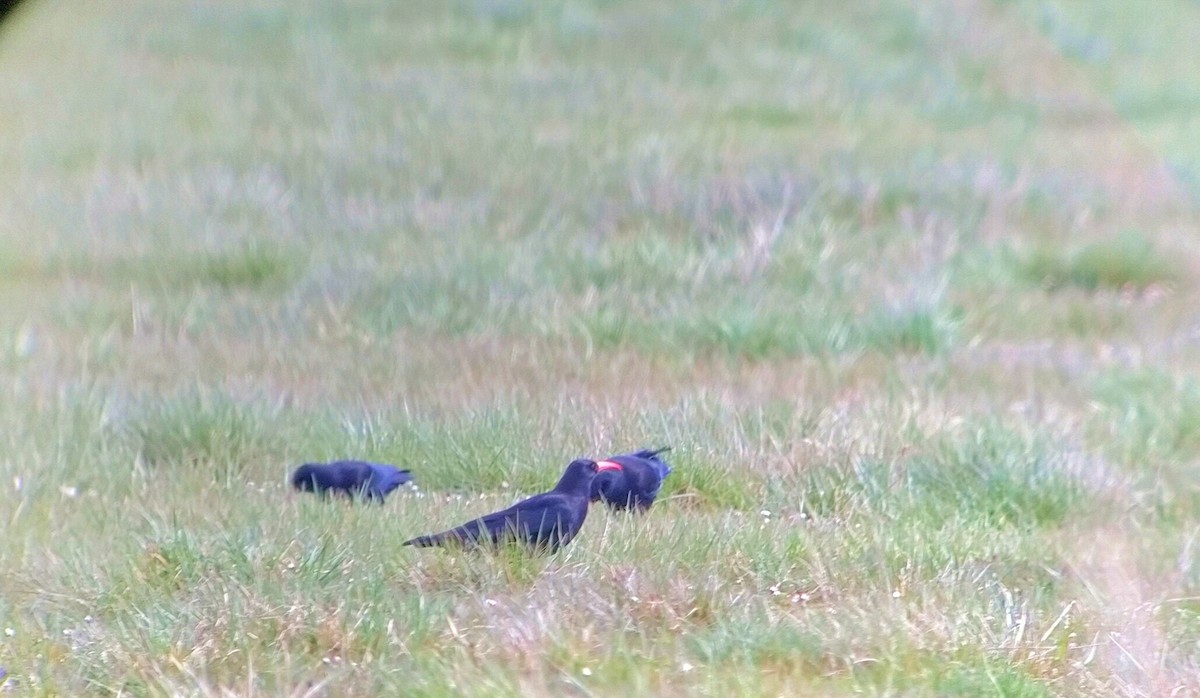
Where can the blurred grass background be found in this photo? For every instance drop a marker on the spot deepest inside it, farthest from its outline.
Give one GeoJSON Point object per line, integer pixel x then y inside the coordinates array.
{"type": "Point", "coordinates": [908, 286]}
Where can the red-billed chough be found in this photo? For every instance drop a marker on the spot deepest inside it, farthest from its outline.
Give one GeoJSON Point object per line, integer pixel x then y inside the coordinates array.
{"type": "Point", "coordinates": [354, 478]}
{"type": "Point", "coordinates": [545, 521]}
{"type": "Point", "coordinates": [636, 483]}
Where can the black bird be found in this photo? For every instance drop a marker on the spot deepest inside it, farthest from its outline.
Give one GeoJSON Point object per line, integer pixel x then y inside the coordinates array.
{"type": "Point", "coordinates": [545, 521]}
{"type": "Point", "coordinates": [635, 483]}
{"type": "Point", "coordinates": [354, 478]}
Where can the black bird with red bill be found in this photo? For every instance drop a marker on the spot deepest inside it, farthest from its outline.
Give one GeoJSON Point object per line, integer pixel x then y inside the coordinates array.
{"type": "Point", "coordinates": [636, 483]}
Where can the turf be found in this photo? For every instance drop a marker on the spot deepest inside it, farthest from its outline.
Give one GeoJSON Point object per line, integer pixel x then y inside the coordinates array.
{"type": "Point", "coordinates": [908, 286]}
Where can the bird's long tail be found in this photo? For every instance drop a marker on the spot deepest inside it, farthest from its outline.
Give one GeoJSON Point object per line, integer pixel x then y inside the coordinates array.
{"type": "Point", "coordinates": [463, 535]}
{"type": "Point", "coordinates": [648, 453]}
{"type": "Point", "coordinates": [664, 469]}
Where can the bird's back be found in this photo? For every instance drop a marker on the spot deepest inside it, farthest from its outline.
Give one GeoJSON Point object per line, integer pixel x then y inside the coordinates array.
{"type": "Point", "coordinates": [549, 520]}
{"type": "Point", "coordinates": [339, 475]}
{"type": "Point", "coordinates": [386, 478]}
{"type": "Point", "coordinates": [655, 460]}
{"type": "Point", "coordinates": [350, 477]}
{"type": "Point", "coordinates": [639, 480]}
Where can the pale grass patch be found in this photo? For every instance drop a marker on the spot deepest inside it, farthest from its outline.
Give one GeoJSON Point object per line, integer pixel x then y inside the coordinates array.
{"type": "Point", "coordinates": [863, 269]}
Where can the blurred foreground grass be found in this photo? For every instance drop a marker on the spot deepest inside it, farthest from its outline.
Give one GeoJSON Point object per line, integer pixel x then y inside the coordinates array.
{"type": "Point", "coordinates": [908, 286]}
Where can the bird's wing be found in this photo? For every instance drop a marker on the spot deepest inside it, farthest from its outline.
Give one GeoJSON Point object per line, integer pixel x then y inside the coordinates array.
{"type": "Point", "coordinates": [486, 527]}
{"type": "Point", "coordinates": [543, 517]}
{"type": "Point", "coordinates": [648, 483]}
{"type": "Point", "coordinates": [347, 474]}
{"type": "Point", "coordinates": [388, 477]}
{"type": "Point", "coordinates": [643, 476]}
{"type": "Point", "coordinates": [649, 456]}
{"type": "Point", "coordinates": [609, 484]}
{"type": "Point", "coordinates": [535, 518]}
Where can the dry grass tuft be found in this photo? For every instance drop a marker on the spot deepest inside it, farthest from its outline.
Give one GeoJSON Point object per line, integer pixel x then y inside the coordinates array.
{"type": "Point", "coordinates": [903, 284]}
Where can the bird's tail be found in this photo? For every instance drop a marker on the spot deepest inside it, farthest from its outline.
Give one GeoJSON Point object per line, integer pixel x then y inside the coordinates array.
{"type": "Point", "coordinates": [650, 453]}
{"type": "Point", "coordinates": [424, 541]}
{"type": "Point", "coordinates": [453, 537]}
{"type": "Point", "coordinates": [664, 469]}
{"type": "Point", "coordinates": [397, 478]}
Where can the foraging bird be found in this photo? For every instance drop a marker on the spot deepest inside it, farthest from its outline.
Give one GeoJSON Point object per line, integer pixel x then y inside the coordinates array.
{"type": "Point", "coordinates": [545, 521]}
{"type": "Point", "coordinates": [372, 481]}
{"type": "Point", "coordinates": [635, 483]}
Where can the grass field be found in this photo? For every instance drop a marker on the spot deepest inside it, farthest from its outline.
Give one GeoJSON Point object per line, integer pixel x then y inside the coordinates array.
{"type": "Point", "coordinates": [910, 286]}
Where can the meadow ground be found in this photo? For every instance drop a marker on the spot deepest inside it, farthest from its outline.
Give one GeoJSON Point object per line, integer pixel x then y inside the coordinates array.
{"type": "Point", "coordinates": [909, 286]}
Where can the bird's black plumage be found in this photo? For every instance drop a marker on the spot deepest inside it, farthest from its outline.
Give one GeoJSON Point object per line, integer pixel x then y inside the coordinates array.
{"type": "Point", "coordinates": [354, 478]}
{"type": "Point", "coordinates": [545, 521]}
{"type": "Point", "coordinates": [636, 483]}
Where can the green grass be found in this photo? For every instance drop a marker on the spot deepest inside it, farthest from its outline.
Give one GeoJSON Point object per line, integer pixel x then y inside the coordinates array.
{"type": "Point", "coordinates": [1129, 261]}
{"type": "Point", "coordinates": [1148, 415]}
{"type": "Point", "coordinates": [907, 286]}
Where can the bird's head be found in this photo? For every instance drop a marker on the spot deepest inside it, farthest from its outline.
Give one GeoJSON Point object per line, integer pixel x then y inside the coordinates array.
{"type": "Point", "coordinates": [608, 474]}
{"type": "Point", "coordinates": [302, 479]}
{"type": "Point", "coordinates": [591, 467]}
{"type": "Point", "coordinates": [579, 474]}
